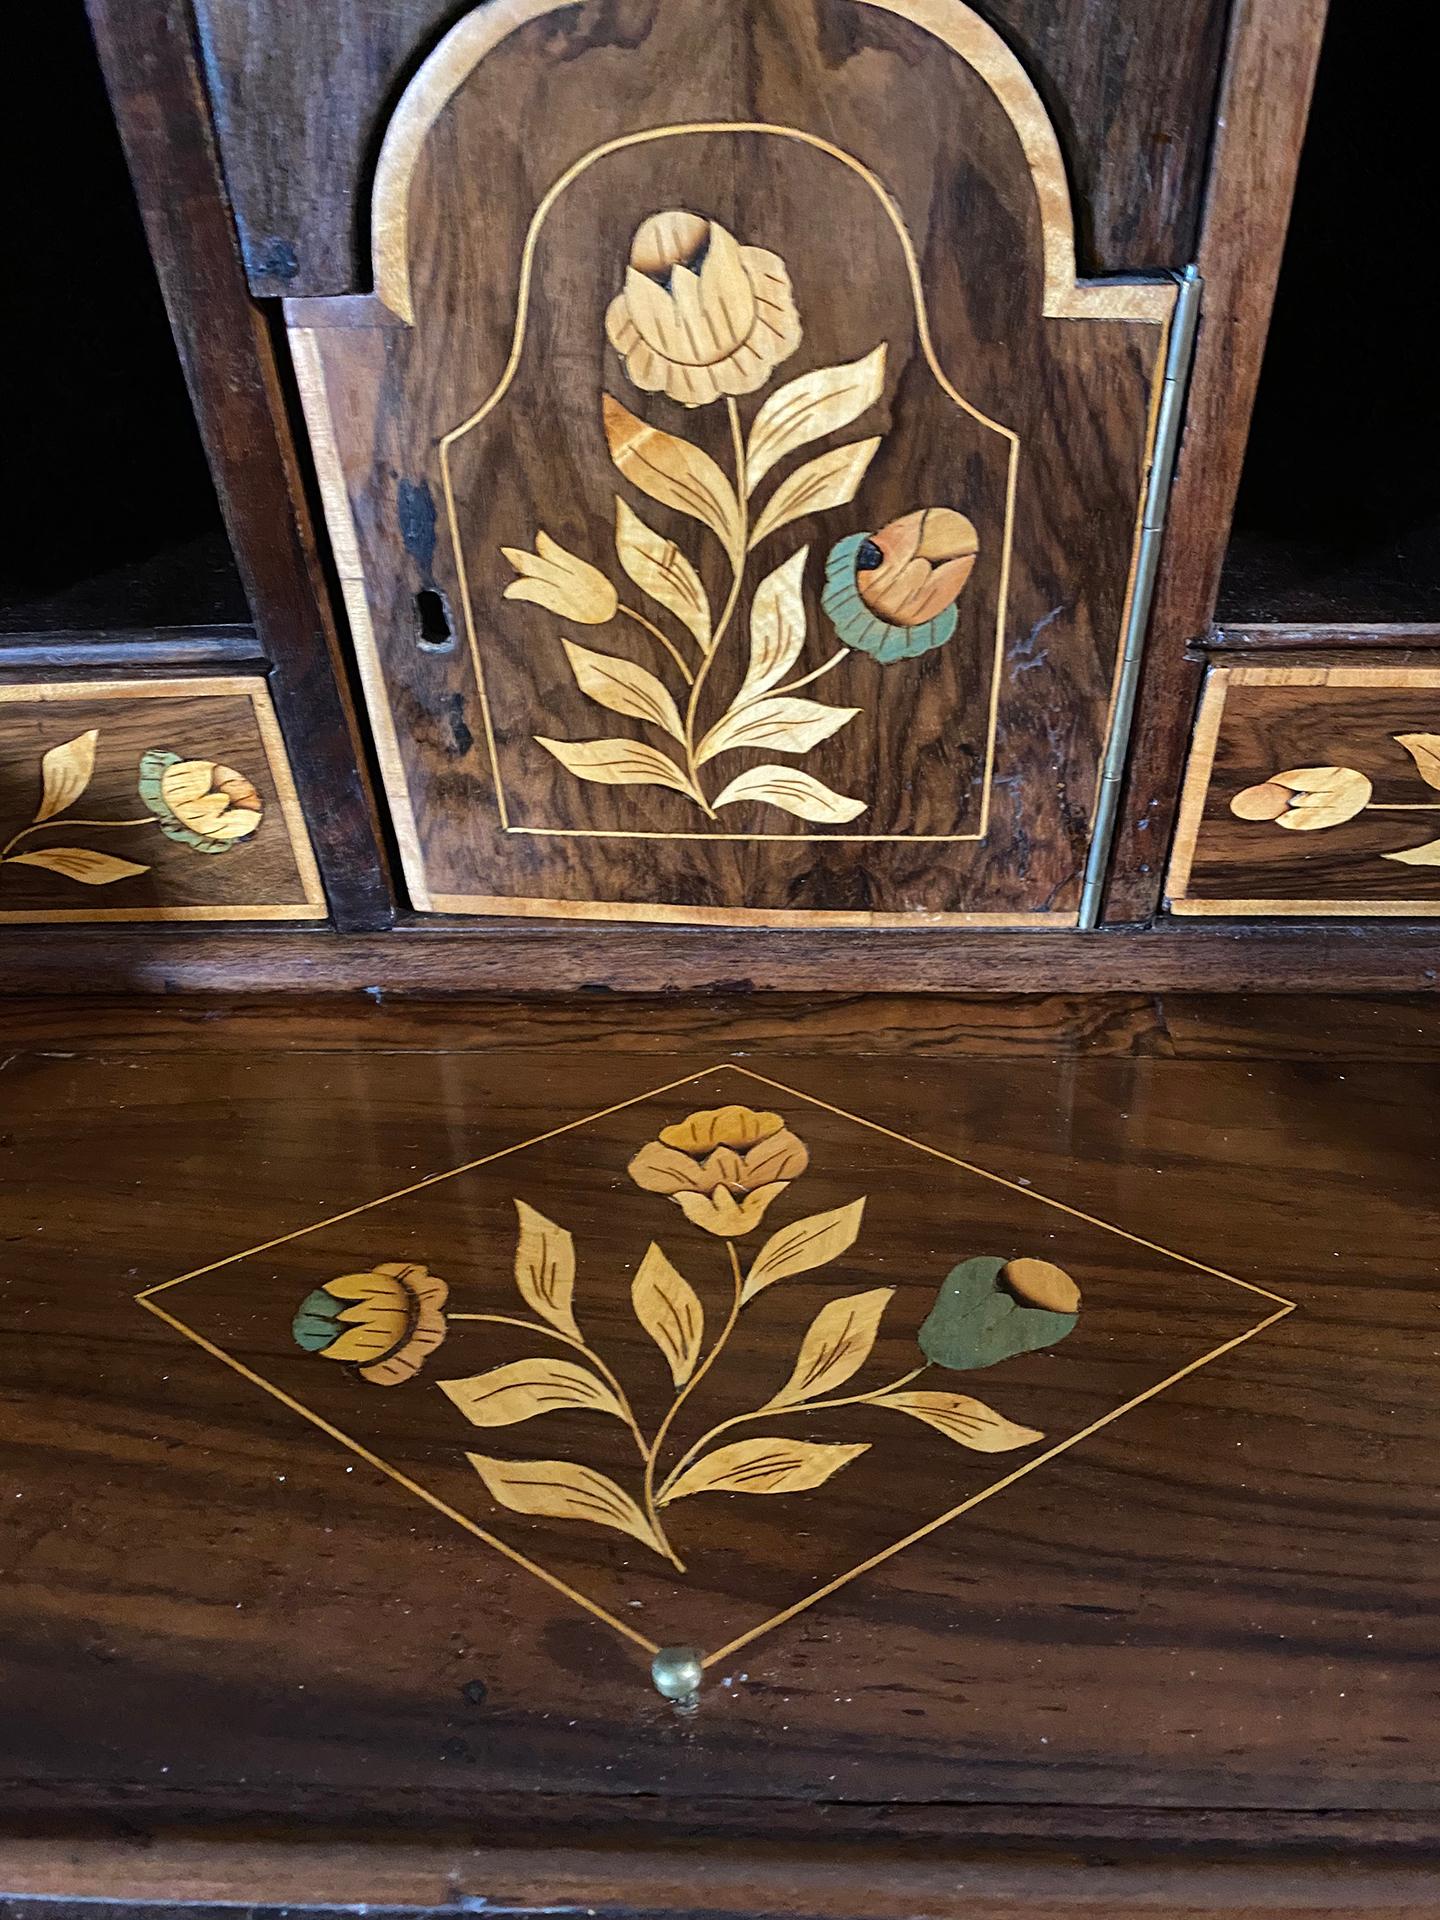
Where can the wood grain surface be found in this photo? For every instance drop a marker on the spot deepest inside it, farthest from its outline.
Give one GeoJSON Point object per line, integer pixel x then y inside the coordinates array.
{"type": "Point", "coordinates": [92, 830]}
{"type": "Point", "coordinates": [976, 804]}
{"type": "Point", "coordinates": [301, 97]}
{"type": "Point", "coordinates": [147, 51]}
{"type": "Point", "coordinates": [1221, 1601]}
{"type": "Point", "coordinates": [1349, 723]}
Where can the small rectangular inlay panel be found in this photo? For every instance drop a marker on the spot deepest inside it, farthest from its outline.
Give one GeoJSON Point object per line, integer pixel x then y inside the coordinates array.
{"type": "Point", "coordinates": [149, 800]}
{"type": "Point", "coordinates": [1312, 790]}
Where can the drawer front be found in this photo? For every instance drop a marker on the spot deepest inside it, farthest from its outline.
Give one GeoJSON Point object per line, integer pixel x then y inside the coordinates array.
{"type": "Point", "coordinates": [1312, 790]}
{"type": "Point", "coordinates": [737, 497]}
{"type": "Point", "coordinates": [149, 800]}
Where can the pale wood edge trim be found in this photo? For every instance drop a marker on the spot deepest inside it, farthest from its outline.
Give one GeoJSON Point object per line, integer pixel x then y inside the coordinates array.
{"type": "Point", "coordinates": [475, 36]}
{"type": "Point", "coordinates": [251, 687]}
{"type": "Point", "coordinates": [1334, 676]}
{"type": "Point", "coordinates": [301, 850]}
{"type": "Point", "coordinates": [329, 469]}
{"type": "Point", "coordinates": [306, 347]}
{"type": "Point", "coordinates": [1198, 769]}
{"type": "Point", "coordinates": [55, 916]}
{"type": "Point", "coordinates": [1313, 909]}
{"type": "Point", "coordinates": [512, 905]}
{"type": "Point", "coordinates": [190, 684]}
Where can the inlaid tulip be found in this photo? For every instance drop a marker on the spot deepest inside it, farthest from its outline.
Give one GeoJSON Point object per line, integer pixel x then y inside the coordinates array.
{"type": "Point", "coordinates": [561, 582]}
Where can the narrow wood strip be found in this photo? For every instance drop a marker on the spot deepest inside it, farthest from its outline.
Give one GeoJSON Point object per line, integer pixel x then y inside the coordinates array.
{"type": "Point", "coordinates": [1264, 104]}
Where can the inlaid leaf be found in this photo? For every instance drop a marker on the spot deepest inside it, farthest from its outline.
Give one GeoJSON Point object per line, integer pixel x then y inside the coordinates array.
{"type": "Point", "coordinates": [804, 1245]}
{"type": "Point", "coordinates": [623, 687]}
{"type": "Point", "coordinates": [668, 1308]}
{"type": "Point", "coordinates": [1424, 750]}
{"type": "Point", "coordinates": [960, 1418]}
{"type": "Point", "coordinates": [978, 1320]}
{"type": "Point", "coordinates": [617, 763]}
{"type": "Point", "coordinates": [65, 772]}
{"type": "Point", "coordinates": [817, 403]}
{"type": "Point", "coordinates": [836, 1345]}
{"type": "Point", "coordinates": [832, 480]}
{"type": "Point", "coordinates": [545, 1269]}
{"type": "Point", "coordinates": [777, 627]}
{"type": "Point", "coordinates": [673, 472]}
{"type": "Point", "coordinates": [506, 1395]}
{"type": "Point", "coordinates": [659, 568]}
{"type": "Point", "coordinates": [563, 1490]}
{"type": "Point", "coordinates": [783, 724]}
{"type": "Point", "coordinates": [80, 863]}
{"type": "Point", "coordinates": [1426, 856]}
{"type": "Point", "coordinates": [795, 791]}
{"type": "Point", "coordinates": [763, 1466]}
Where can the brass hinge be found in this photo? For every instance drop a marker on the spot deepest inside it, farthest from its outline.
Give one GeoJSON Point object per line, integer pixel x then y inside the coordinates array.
{"type": "Point", "coordinates": [1157, 498]}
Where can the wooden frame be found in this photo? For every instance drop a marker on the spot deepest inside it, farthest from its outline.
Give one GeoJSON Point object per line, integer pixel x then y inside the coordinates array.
{"type": "Point", "coordinates": [147, 51]}
{"type": "Point", "coordinates": [1264, 104]}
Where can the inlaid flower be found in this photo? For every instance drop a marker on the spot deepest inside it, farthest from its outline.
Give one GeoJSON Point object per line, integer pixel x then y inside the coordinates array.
{"type": "Point", "coordinates": [386, 1322]}
{"type": "Point", "coordinates": [199, 802]}
{"type": "Point", "coordinates": [561, 582]}
{"type": "Point", "coordinates": [700, 315]}
{"type": "Point", "coordinates": [892, 594]}
{"type": "Point", "coordinates": [722, 1167]}
{"type": "Point", "coordinates": [1305, 799]}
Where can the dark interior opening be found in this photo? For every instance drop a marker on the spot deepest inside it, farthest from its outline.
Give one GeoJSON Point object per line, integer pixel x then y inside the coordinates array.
{"type": "Point", "coordinates": [1339, 510]}
{"type": "Point", "coordinates": [113, 522]}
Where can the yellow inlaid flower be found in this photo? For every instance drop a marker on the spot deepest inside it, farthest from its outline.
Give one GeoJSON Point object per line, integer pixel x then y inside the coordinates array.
{"type": "Point", "coordinates": [749, 1159]}
{"type": "Point", "coordinates": [387, 1322]}
{"type": "Point", "coordinates": [199, 802]}
{"type": "Point", "coordinates": [561, 582]}
{"type": "Point", "coordinates": [700, 315]}
{"type": "Point", "coordinates": [1305, 798]}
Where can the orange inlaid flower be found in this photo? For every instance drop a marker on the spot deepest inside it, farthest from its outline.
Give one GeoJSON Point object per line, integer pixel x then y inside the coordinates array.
{"type": "Point", "coordinates": [722, 1167]}
{"type": "Point", "coordinates": [700, 315]}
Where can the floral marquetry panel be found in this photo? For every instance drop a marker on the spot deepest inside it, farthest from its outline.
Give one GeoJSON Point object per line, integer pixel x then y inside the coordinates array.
{"type": "Point", "coordinates": [149, 800]}
{"type": "Point", "coordinates": [697, 1360]}
{"type": "Point", "coordinates": [1312, 790]}
{"type": "Point", "coordinates": [736, 494]}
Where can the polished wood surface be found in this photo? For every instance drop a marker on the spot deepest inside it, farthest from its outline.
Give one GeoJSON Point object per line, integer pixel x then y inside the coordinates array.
{"type": "Point", "coordinates": [911, 786]}
{"type": "Point", "coordinates": [301, 96]}
{"type": "Point", "coordinates": [149, 800]}
{"type": "Point", "coordinates": [1269, 75]}
{"type": "Point", "coordinates": [1220, 1601]}
{"type": "Point", "coordinates": [148, 53]}
{"type": "Point", "coordinates": [1312, 789]}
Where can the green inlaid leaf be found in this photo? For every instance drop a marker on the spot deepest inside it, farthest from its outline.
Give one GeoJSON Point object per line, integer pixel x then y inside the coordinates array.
{"type": "Point", "coordinates": [317, 1322]}
{"type": "Point", "coordinates": [976, 1320]}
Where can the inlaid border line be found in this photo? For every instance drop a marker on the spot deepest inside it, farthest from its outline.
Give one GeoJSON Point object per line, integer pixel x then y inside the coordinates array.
{"type": "Point", "coordinates": [512, 1554]}
{"type": "Point", "coordinates": [401, 1479]}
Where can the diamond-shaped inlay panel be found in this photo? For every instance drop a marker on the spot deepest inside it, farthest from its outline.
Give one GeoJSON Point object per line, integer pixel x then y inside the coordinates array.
{"type": "Point", "coordinates": [700, 1358]}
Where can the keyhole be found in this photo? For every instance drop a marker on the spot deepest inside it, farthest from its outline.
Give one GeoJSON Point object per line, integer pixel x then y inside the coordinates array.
{"type": "Point", "coordinates": [433, 631]}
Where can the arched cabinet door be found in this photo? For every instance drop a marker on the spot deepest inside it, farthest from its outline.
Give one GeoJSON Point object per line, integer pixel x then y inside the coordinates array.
{"type": "Point", "coordinates": [737, 498]}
